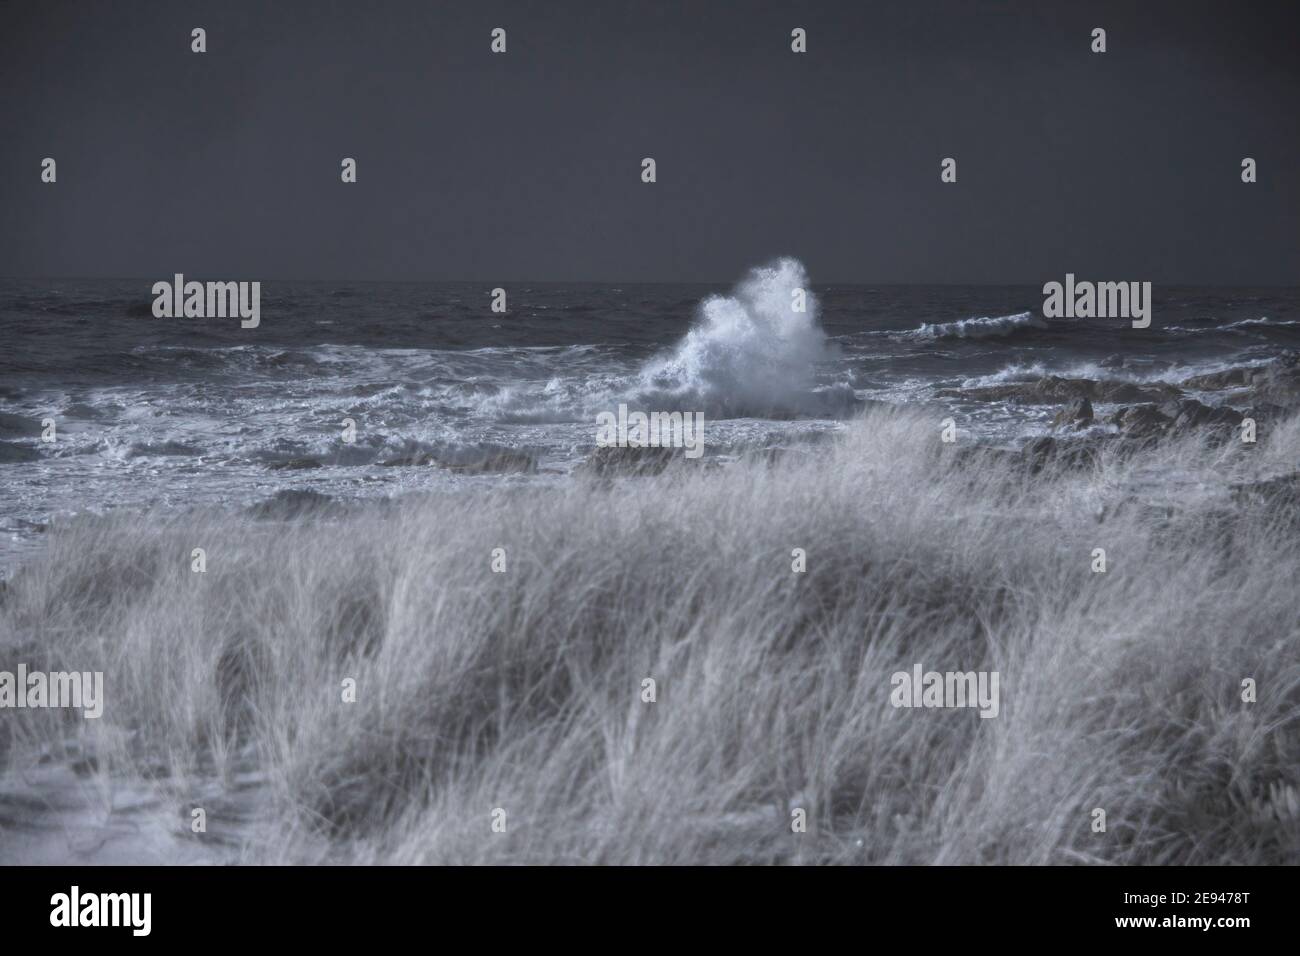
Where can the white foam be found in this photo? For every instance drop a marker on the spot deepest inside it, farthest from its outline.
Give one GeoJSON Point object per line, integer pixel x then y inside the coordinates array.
{"type": "Point", "coordinates": [1240, 324]}
{"type": "Point", "coordinates": [749, 352]}
{"type": "Point", "coordinates": [978, 328]}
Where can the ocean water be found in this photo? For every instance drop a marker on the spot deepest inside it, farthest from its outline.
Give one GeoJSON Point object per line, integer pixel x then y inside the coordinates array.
{"type": "Point", "coordinates": [177, 412]}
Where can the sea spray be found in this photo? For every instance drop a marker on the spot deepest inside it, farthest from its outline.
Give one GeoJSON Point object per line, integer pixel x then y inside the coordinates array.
{"type": "Point", "coordinates": [750, 353]}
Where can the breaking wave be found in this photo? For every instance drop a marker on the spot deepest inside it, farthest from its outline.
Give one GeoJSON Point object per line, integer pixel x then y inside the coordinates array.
{"type": "Point", "coordinates": [750, 353]}
{"type": "Point", "coordinates": [978, 328]}
{"type": "Point", "coordinates": [1240, 324]}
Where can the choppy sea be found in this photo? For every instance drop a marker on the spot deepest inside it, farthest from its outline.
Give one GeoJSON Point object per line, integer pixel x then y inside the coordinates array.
{"type": "Point", "coordinates": [174, 412]}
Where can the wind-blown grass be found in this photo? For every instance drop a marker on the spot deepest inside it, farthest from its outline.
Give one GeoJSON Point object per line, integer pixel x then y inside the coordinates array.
{"type": "Point", "coordinates": [521, 690]}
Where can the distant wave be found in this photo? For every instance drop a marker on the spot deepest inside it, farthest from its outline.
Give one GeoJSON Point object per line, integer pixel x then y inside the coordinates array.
{"type": "Point", "coordinates": [1240, 324]}
{"type": "Point", "coordinates": [1149, 372]}
{"type": "Point", "coordinates": [983, 327]}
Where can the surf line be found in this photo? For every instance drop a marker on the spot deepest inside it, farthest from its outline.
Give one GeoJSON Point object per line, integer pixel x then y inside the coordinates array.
{"type": "Point", "coordinates": [1098, 300]}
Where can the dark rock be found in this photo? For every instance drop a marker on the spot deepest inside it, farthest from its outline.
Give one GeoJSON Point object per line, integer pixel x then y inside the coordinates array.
{"type": "Point", "coordinates": [1072, 453]}
{"type": "Point", "coordinates": [1078, 414]}
{"type": "Point", "coordinates": [412, 458]}
{"type": "Point", "coordinates": [498, 462]}
{"type": "Point", "coordinates": [1228, 378]}
{"type": "Point", "coordinates": [294, 464]}
{"type": "Point", "coordinates": [609, 460]}
{"type": "Point", "coordinates": [293, 504]}
{"type": "Point", "coordinates": [1038, 453]}
{"type": "Point", "coordinates": [1190, 413]}
{"type": "Point", "coordinates": [1127, 392]}
{"type": "Point", "coordinates": [1276, 382]}
{"type": "Point", "coordinates": [12, 453]}
{"type": "Point", "coordinates": [159, 449]}
{"type": "Point", "coordinates": [776, 454]}
{"type": "Point", "coordinates": [504, 461]}
{"type": "Point", "coordinates": [966, 456]}
{"type": "Point", "coordinates": [87, 766]}
{"type": "Point", "coordinates": [20, 425]}
{"type": "Point", "coordinates": [1054, 389]}
{"type": "Point", "coordinates": [1151, 364]}
{"type": "Point", "coordinates": [1140, 421]}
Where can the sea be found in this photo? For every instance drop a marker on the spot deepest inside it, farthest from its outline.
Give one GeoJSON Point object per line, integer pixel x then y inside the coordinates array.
{"type": "Point", "coordinates": [372, 389]}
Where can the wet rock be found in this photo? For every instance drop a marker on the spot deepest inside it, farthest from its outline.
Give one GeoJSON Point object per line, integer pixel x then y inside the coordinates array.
{"type": "Point", "coordinates": [778, 454]}
{"type": "Point", "coordinates": [973, 456]}
{"type": "Point", "coordinates": [160, 449]}
{"type": "Point", "coordinates": [293, 503]}
{"type": "Point", "coordinates": [19, 425]}
{"type": "Point", "coordinates": [412, 458]}
{"type": "Point", "coordinates": [1038, 453]}
{"type": "Point", "coordinates": [1140, 421]}
{"type": "Point", "coordinates": [1078, 414]}
{"type": "Point", "coordinates": [1276, 382]}
{"type": "Point", "coordinates": [497, 463]}
{"type": "Point", "coordinates": [611, 460]}
{"type": "Point", "coordinates": [294, 464]}
{"type": "Point", "coordinates": [1127, 392]}
{"type": "Point", "coordinates": [1055, 389]}
{"type": "Point", "coordinates": [1189, 413]}
{"type": "Point", "coordinates": [1071, 453]}
{"type": "Point", "coordinates": [11, 453]}
{"type": "Point", "coordinates": [504, 461]}
{"type": "Point", "coordinates": [1228, 378]}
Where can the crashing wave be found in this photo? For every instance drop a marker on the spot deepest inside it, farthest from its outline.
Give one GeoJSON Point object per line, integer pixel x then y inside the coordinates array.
{"type": "Point", "coordinates": [750, 353]}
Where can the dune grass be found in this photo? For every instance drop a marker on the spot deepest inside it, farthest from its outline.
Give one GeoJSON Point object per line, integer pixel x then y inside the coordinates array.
{"type": "Point", "coordinates": [521, 690]}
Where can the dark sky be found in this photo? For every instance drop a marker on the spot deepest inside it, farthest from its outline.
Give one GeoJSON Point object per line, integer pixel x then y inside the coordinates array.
{"type": "Point", "coordinates": [1122, 166]}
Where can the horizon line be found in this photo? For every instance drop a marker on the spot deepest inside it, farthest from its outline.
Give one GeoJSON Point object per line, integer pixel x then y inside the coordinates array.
{"type": "Point", "coordinates": [604, 282]}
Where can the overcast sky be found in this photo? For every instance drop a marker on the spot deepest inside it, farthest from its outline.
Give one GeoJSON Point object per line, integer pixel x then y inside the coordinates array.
{"type": "Point", "coordinates": [1123, 165]}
